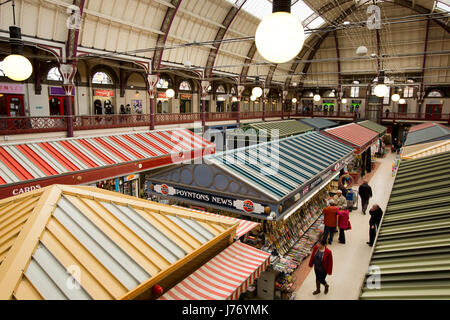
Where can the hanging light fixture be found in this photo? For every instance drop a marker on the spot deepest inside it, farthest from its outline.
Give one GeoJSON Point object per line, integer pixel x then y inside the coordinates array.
{"type": "Point", "coordinates": [170, 93]}
{"type": "Point", "coordinates": [395, 97]}
{"type": "Point", "coordinates": [257, 91]}
{"type": "Point", "coordinates": [280, 36]}
{"type": "Point", "coordinates": [402, 101]}
{"type": "Point", "coordinates": [317, 96]}
{"type": "Point", "coordinates": [253, 98]}
{"type": "Point", "coordinates": [294, 100]}
{"type": "Point", "coordinates": [344, 101]}
{"type": "Point", "coordinates": [234, 99]}
{"type": "Point", "coordinates": [381, 90]}
{"type": "Point", "coordinates": [16, 66]}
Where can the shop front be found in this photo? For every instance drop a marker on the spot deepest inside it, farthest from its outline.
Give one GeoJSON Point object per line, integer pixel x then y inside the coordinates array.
{"type": "Point", "coordinates": [162, 103]}
{"type": "Point", "coordinates": [378, 149]}
{"type": "Point", "coordinates": [186, 103]}
{"type": "Point", "coordinates": [58, 101]}
{"type": "Point", "coordinates": [12, 100]}
{"type": "Point", "coordinates": [82, 161]}
{"type": "Point", "coordinates": [104, 101]}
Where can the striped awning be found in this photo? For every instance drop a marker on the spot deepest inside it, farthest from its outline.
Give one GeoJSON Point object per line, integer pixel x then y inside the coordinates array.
{"type": "Point", "coordinates": [244, 225]}
{"type": "Point", "coordinates": [354, 135]}
{"type": "Point", "coordinates": [37, 160]}
{"type": "Point", "coordinates": [422, 126]}
{"type": "Point", "coordinates": [225, 277]}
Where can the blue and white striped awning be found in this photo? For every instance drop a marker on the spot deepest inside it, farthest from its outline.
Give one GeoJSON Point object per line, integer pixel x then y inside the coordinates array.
{"type": "Point", "coordinates": [282, 167]}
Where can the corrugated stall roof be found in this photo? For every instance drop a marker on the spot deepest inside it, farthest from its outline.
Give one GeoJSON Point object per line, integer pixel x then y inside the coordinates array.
{"type": "Point", "coordinates": [279, 168]}
{"type": "Point", "coordinates": [120, 245]}
{"type": "Point", "coordinates": [373, 126]}
{"type": "Point", "coordinates": [319, 123]}
{"type": "Point", "coordinates": [423, 126]}
{"type": "Point", "coordinates": [412, 251]}
{"type": "Point", "coordinates": [354, 135]}
{"type": "Point", "coordinates": [37, 160]}
{"type": "Point", "coordinates": [425, 149]}
{"type": "Point", "coordinates": [430, 134]}
{"type": "Point", "coordinates": [285, 128]}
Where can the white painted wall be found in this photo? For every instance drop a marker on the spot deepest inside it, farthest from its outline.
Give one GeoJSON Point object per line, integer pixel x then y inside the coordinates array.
{"type": "Point", "coordinates": [37, 105]}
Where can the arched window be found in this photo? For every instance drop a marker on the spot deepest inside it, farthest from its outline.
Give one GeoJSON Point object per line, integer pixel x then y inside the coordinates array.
{"type": "Point", "coordinates": [435, 94]}
{"type": "Point", "coordinates": [54, 75]}
{"type": "Point", "coordinates": [185, 86]}
{"type": "Point", "coordinates": [354, 93]}
{"type": "Point", "coordinates": [163, 83]}
{"type": "Point", "coordinates": [220, 89]}
{"type": "Point", "coordinates": [330, 94]}
{"type": "Point", "coordinates": [233, 91]}
{"type": "Point", "coordinates": [101, 78]}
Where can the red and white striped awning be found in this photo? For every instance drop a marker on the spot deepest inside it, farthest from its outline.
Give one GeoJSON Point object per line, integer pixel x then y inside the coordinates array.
{"type": "Point", "coordinates": [356, 136]}
{"type": "Point", "coordinates": [40, 160]}
{"type": "Point", "coordinates": [225, 277]}
{"type": "Point", "coordinates": [244, 225]}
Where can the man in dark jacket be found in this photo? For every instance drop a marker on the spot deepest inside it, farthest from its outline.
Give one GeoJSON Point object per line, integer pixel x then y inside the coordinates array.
{"type": "Point", "coordinates": [376, 214]}
{"type": "Point", "coordinates": [365, 192]}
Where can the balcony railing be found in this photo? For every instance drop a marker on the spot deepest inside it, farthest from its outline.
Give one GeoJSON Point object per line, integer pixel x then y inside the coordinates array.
{"type": "Point", "coordinates": [25, 125]}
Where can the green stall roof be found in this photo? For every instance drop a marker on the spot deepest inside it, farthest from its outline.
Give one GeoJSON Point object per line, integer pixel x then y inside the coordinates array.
{"type": "Point", "coordinates": [412, 250]}
{"type": "Point", "coordinates": [285, 128]}
{"type": "Point", "coordinates": [373, 126]}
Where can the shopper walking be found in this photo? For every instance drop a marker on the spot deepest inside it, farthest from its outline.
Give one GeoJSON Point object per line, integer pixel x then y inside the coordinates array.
{"type": "Point", "coordinates": [330, 221]}
{"type": "Point", "coordinates": [376, 214]}
{"type": "Point", "coordinates": [365, 192]}
{"type": "Point", "coordinates": [322, 260]}
{"type": "Point", "coordinates": [344, 223]}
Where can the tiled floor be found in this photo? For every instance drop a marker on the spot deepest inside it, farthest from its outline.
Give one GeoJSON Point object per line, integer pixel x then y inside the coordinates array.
{"type": "Point", "coordinates": [351, 261]}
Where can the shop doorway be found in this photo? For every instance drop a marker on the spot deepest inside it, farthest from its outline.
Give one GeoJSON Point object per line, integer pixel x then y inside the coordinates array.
{"type": "Point", "coordinates": [11, 105]}
{"type": "Point", "coordinates": [59, 105]}
{"type": "Point", "coordinates": [185, 106]}
{"type": "Point", "coordinates": [433, 111]}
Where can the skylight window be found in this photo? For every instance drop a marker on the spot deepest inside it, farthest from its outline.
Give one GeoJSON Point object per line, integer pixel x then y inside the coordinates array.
{"type": "Point", "coordinates": [301, 10]}
{"type": "Point", "coordinates": [443, 6]}
{"type": "Point", "coordinates": [316, 23]}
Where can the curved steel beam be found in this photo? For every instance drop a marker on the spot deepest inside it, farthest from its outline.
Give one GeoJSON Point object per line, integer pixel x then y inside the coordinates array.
{"type": "Point", "coordinates": [229, 18]}
{"type": "Point", "coordinates": [165, 28]}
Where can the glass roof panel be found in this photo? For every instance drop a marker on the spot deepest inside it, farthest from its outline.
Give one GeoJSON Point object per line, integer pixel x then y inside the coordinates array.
{"type": "Point", "coordinates": [443, 5]}
{"type": "Point", "coordinates": [316, 23]}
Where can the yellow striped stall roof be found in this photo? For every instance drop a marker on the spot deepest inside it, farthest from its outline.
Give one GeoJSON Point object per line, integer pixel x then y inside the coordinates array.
{"type": "Point", "coordinates": [425, 149]}
{"type": "Point", "coordinates": [76, 243]}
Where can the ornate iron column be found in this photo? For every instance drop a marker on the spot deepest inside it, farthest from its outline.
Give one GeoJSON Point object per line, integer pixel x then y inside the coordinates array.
{"type": "Point", "coordinates": [68, 71]}
{"type": "Point", "coordinates": [205, 86]}
{"type": "Point", "coordinates": [152, 81]}
{"type": "Point", "coordinates": [240, 91]}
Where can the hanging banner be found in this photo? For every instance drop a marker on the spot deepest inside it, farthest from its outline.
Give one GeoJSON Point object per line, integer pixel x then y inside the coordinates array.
{"type": "Point", "coordinates": [162, 95]}
{"type": "Point", "coordinates": [58, 91]}
{"type": "Point", "coordinates": [103, 93]}
{"type": "Point", "coordinates": [186, 97]}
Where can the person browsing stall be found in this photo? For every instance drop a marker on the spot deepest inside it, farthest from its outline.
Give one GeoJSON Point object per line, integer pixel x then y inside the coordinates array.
{"type": "Point", "coordinates": [330, 220]}
{"type": "Point", "coordinates": [340, 200]}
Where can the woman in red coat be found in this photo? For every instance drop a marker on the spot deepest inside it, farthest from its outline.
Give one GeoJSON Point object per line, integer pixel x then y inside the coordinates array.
{"type": "Point", "coordinates": [322, 259]}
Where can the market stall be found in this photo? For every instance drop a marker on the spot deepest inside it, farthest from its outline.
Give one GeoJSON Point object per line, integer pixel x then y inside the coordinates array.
{"type": "Point", "coordinates": [29, 166]}
{"type": "Point", "coordinates": [425, 149]}
{"type": "Point", "coordinates": [361, 140]}
{"type": "Point", "coordinates": [429, 133]}
{"type": "Point", "coordinates": [379, 148]}
{"type": "Point", "coordinates": [412, 248]}
{"type": "Point", "coordinates": [115, 246]}
{"type": "Point", "coordinates": [319, 124]}
{"type": "Point", "coordinates": [283, 184]}
{"type": "Point", "coordinates": [260, 132]}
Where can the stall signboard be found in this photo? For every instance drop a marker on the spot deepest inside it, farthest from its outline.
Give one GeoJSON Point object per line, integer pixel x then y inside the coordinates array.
{"type": "Point", "coordinates": [131, 177]}
{"type": "Point", "coordinates": [12, 88]}
{"type": "Point", "coordinates": [186, 97]}
{"type": "Point", "coordinates": [103, 93]}
{"type": "Point", "coordinates": [247, 206]}
{"type": "Point", "coordinates": [162, 95]}
{"type": "Point", "coordinates": [58, 91]}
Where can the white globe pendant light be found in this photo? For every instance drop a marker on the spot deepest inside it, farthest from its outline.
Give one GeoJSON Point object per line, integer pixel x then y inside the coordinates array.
{"type": "Point", "coordinates": [257, 92]}
{"type": "Point", "coordinates": [402, 101]}
{"type": "Point", "coordinates": [344, 101]}
{"type": "Point", "coordinates": [381, 90]}
{"type": "Point", "coordinates": [234, 99]}
{"type": "Point", "coordinates": [253, 98]}
{"type": "Point", "coordinates": [17, 67]}
{"type": "Point", "coordinates": [280, 36]}
{"type": "Point", "coordinates": [395, 97]}
{"type": "Point", "coordinates": [317, 97]}
{"type": "Point", "coordinates": [361, 51]}
{"type": "Point", "coordinates": [294, 100]}
{"type": "Point", "coordinates": [170, 93]}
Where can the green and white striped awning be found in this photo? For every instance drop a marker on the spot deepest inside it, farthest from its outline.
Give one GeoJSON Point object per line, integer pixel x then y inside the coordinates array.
{"type": "Point", "coordinates": [281, 167]}
{"type": "Point", "coordinates": [412, 253]}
